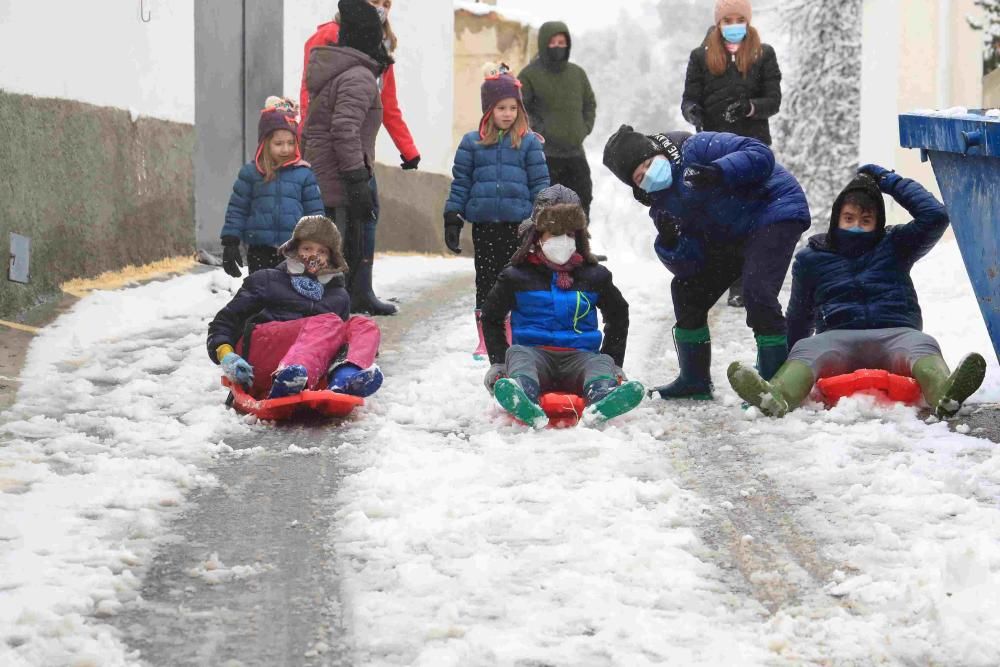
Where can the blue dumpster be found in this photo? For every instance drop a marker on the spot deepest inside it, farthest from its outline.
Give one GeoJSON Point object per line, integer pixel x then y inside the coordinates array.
{"type": "Point", "coordinates": [964, 151]}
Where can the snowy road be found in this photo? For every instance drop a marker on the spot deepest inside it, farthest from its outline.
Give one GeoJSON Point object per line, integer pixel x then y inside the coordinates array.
{"type": "Point", "coordinates": [432, 530]}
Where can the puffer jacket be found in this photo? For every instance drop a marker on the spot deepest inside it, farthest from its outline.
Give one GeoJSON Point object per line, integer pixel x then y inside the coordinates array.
{"type": "Point", "coordinates": [762, 87]}
{"type": "Point", "coordinates": [871, 291]}
{"type": "Point", "coordinates": [543, 314]}
{"type": "Point", "coordinates": [497, 183]}
{"type": "Point", "coordinates": [267, 295]}
{"type": "Point", "coordinates": [345, 114]}
{"type": "Point", "coordinates": [265, 212]}
{"type": "Point", "coordinates": [558, 97]}
{"type": "Point", "coordinates": [755, 191]}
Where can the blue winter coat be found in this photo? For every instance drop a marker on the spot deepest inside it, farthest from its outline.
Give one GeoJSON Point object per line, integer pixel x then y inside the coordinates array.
{"type": "Point", "coordinates": [871, 291]}
{"type": "Point", "coordinates": [265, 213]}
{"type": "Point", "coordinates": [267, 295]}
{"type": "Point", "coordinates": [543, 314]}
{"type": "Point", "coordinates": [497, 183]}
{"type": "Point", "coordinates": [756, 191]}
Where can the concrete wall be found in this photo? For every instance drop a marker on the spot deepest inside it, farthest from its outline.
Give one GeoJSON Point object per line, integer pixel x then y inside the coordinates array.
{"type": "Point", "coordinates": [991, 90]}
{"type": "Point", "coordinates": [93, 188]}
{"type": "Point", "coordinates": [916, 54]}
{"type": "Point", "coordinates": [423, 66]}
{"type": "Point", "coordinates": [411, 206]}
{"type": "Point", "coordinates": [482, 38]}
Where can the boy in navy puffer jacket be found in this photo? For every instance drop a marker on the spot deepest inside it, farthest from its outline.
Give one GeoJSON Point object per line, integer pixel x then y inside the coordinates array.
{"type": "Point", "coordinates": [553, 289]}
{"type": "Point", "coordinates": [499, 170]}
{"type": "Point", "coordinates": [271, 194]}
{"type": "Point", "coordinates": [852, 285]}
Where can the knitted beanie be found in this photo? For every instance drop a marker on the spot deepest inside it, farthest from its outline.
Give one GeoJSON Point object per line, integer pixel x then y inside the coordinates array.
{"type": "Point", "coordinates": [499, 84]}
{"type": "Point", "coordinates": [361, 29]}
{"type": "Point", "coordinates": [724, 8]}
{"type": "Point", "coordinates": [278, 113]}
{"type": "Point", "coordinates": [625, 150]}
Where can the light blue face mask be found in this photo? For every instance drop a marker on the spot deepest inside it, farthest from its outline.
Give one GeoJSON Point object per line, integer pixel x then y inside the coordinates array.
{"type": "Point", "coordinates": [658, 177]}
{"type": "Point", "coordinates": [734, 34]}
{"type": "Point", "coordinates": [855, 230]}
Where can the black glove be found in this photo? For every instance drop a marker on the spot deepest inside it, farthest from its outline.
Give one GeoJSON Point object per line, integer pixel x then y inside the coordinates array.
{"type": "Point", "coordinates": [737, 111]}
{"type": "Point", "coordinates": [409, 164]}
{"type": "Point", "coordinates": [668, 228]}
{"type": "Point", "coordinates": [695, 115]}
{"type": "Point", "coordinates": [360, 203]}
{"type": "Point", "coordinates": [453, 224]}
{"type": "Point", "coordinates": [642, 196]}
{"type": "Point", "coordinates": [701, 176]}
{"type": "Point", "coordinates": [232, 259]}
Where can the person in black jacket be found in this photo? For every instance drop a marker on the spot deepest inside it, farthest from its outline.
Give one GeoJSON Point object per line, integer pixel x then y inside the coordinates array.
{"type": "Point", "coordinates": [733, 84]}
{"type": "Point", "coordinates": [852, 285]}
{"type": "Point", "coordinates": [553, 288]}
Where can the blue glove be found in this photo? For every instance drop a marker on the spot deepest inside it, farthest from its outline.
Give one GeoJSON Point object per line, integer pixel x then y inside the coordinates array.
{"type": "Point", "coordinates": [885, 179]}
{"type": "Point", "coordinates": [237, 369]}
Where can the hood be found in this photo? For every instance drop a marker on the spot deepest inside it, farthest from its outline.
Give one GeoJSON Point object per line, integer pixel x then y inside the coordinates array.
{"type": "Point", "coordinates": [860, 183]}
{"type": "Point", "coordinates": [547, 32]}
{"type": "Point", "coordinates": [328, 62]}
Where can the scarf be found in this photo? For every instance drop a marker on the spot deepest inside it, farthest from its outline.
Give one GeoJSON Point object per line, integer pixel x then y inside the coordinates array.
{"type": "Point", "coordinates": [564, 272]}
{"type": "Point", "coordinates": [308, 287]}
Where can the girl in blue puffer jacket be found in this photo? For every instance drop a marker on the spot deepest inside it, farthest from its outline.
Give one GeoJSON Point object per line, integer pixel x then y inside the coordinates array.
{"type": "Point", "coordinates": [271, 193]}
{"type": "Point", "coordinates": [499, 170]}
{"type": "Point", "coordinates": [723, 209]}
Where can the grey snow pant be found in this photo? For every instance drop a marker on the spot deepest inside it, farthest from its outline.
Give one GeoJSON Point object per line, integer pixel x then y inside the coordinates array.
{"type": "Point", "coordinates": [570, 371]}
{"type": "Point", "coordinates": [846, 350]}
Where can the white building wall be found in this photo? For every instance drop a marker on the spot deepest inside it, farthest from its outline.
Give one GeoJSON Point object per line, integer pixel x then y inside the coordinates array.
{"type": "Point", "coordinates": [102, 53]}
{"type": "Point", "coordinates": [424, 66]}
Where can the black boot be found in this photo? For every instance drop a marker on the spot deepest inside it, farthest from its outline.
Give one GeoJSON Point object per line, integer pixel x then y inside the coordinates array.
{"type": "Point", "coordinates": [694, 355]}
{"type": "Point", "coordinates": [363, 299]}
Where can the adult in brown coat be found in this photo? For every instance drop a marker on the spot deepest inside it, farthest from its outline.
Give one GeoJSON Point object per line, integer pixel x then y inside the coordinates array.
{"type": "Point", "coordinates": [344, 118]}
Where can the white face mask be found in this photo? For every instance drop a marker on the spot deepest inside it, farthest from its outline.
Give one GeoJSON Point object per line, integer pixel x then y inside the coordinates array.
{"type": "Point", "coordinates": [559, 248]}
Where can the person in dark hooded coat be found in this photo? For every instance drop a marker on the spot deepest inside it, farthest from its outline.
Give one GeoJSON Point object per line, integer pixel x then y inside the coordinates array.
{"type": "Point", "coordinates": [723, 208]}
{"type": "Point", "coordinates": [852, 286]}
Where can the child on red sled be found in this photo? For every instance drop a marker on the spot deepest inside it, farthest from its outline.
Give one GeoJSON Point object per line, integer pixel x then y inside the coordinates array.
{"type": "Point", "coordinates": [287, 329]}
{"type": "Point", "coordinates": [852, 286]}
{"type": "Point", "coordinates": [553, 288]}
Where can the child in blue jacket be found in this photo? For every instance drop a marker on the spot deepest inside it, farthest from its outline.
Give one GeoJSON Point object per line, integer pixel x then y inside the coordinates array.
{"type": "Point", "coordinates": [552, 290]}
{"type": "Point", "coordinates": [271, 194]}
{"type": "Point", "coordinates": [852, 286]}
{"type": "Point", "coordinates": [723, 209]}
{"type": "Point", "coordinates": [499, 170]}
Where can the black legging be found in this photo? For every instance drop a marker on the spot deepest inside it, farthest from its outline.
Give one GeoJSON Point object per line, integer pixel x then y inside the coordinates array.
{"type": "Point", "coordinates": [494, 244]}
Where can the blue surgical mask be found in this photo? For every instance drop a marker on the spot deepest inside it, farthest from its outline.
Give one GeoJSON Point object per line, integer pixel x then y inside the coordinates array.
{"type": "Point", "coordinates": [734, 34]}
{"type": "Point", "coordinates": [659, 176]}
{"type": "Point", "coordinates": [855, 230]}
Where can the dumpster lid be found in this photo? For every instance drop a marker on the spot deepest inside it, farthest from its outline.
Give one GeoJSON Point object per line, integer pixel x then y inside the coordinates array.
{"type": "Point", "coordinates": [957, 130]}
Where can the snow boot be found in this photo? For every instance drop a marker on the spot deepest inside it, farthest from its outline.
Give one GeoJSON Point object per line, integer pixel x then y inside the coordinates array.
{"type": "Point", "coordinates": [289, 381]}
{"type": "Point", "coordinates": [694, 355]}
{"type": "Point", "coordinates": [480, 351]}
{"type": "Point", "coordinates": [945, 391]}
{"type": "Point", "coordinates": [519, 397]}
{"type": "Point", "coordinates": [354, 380]}
{"type": "Point", "coordinates": [363, 299]}
{"type": "Point", "coordinates": [607, 399]}
{"type": "Point", "coordinates": [736, 295]}
{"type": "Point", "coordinates": [786, 390]}
{"type": "Point", "coordinates": [771, 353]}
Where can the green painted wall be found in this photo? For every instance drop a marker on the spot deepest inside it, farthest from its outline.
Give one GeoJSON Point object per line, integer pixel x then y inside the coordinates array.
{"type": "Point", "coordinates": [94, 191]}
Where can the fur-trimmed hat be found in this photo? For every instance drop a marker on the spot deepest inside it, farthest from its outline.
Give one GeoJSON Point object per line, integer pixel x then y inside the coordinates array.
{"type": "Point", "coordinates": [724, 8]}
{"type": "Point", "coordinates": [318, 229]}
{"type": "Point", "coordinates": [557, 211]}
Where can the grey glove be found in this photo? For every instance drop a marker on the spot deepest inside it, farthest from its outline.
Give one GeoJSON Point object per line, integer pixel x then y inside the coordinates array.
{"type": "Point", "coordinates": [495, 372]}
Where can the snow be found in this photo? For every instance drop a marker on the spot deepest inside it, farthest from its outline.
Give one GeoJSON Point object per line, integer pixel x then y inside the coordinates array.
{"type": "Point", "coordinates": [465, 538]}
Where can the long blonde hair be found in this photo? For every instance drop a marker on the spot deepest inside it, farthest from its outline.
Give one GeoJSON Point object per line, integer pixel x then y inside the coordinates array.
{"type": "Point", "coordinates": [490, 134]}
{"type": "Point", "coordinates": [718, 57]}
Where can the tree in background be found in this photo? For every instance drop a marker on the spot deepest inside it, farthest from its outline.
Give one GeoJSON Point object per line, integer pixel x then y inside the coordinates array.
{"type": "Point", "coordinates": [817, 132]}
{"type": "Point", "coordinates": [990, 25]}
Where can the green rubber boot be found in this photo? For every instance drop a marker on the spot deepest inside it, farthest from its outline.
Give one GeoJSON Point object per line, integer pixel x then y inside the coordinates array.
{"type": "Point", "coordinates": [944, 390]}
{"type": "Point", "coordinates": [617, 402]}
{"type": "Point", "coordinates": [512, 398]}
{"type": "Point", "coordinates": [785, 392]}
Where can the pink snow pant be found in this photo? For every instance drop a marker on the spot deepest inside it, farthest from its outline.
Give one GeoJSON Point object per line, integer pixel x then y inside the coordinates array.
{"type": "Point", "coordinates": [312, 342]}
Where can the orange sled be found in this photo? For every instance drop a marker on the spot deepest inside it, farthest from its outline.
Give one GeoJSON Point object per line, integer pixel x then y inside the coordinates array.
{"type": "Point", "coordinates": [325, 402]}
{"type": "Point", "coordinates": [890, 387]}
{"type": "Point", "coordinates": [564, 410]}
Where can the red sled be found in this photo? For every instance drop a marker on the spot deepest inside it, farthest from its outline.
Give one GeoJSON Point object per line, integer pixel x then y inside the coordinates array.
{"type": "Point", "coordinates": [323, 403]}
{"type": "Point", "coordinates": [883, 384]}
{"type": "Point", "coordinates": [563, 410]}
